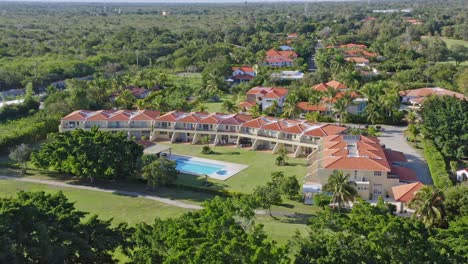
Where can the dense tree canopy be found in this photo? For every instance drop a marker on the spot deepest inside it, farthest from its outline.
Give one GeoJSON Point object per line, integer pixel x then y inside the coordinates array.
{"type": "Point", "coordinates": [93, 154]}
{"type": "Point", "coordinates": [45, 228]}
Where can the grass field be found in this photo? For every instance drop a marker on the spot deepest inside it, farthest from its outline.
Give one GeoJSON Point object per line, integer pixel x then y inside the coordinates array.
{"type": "Point", "coordinates": [121, 208]}
{"type": "Point", "coordinates": [261, 165]}
{"type": "Point", "coordinates": [135, 210]}
{"type": "Point", "coordinates": [451, 42]}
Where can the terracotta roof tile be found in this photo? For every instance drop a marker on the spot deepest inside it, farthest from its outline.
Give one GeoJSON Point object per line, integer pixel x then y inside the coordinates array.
{"type": "Point", "coordinates": [406, 192]}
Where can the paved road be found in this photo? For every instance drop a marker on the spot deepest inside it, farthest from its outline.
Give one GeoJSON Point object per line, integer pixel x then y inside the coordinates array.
{"type": "Point", "coordinates": [393, 138]}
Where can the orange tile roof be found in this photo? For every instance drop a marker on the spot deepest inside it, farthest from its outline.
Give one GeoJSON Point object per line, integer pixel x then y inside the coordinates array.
{"type": "Point", "coordinates": [191, 117]}
{"type": "Point", "coordinates": [269, 92]}
{"type": "Point", "coordinates": [323, 87]}
{"type": "Point", "coordinates": [424, 92]}
{"type": "Point", "coordinates": [308, 107]}
{"type": "Point", "coordinates": [258, 122]}
{"type": "Point", "coordinates": [395, 156]}
{"type": "Point", "coordinates": [243, 68]}
{"type": "Point", "coordinates": [246, 104]}
{"type": "Point", "coordinates": [146, 115]}
{"type": "Point", "coordinates": [357, 59]}
{"type": "Point", "coordinates": [78, 115]}
{"type": "Point", "coordinates": [170, 116]}
{"type": "Point", "coordinates": [404, 174]}
{"type": "Point", "coordinates": [405, 193]}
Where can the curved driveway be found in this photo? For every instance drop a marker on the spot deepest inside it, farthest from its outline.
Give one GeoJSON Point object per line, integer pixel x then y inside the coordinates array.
{"type": "Point", "coordinates": [393, 138]}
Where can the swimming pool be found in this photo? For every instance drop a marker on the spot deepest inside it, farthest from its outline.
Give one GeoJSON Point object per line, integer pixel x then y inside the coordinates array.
{"type": "Point", "coordinates": [197, 167]}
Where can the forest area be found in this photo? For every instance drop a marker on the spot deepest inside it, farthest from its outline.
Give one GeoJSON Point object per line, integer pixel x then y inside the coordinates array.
{"type": "Point", "coordinates": [57, 58]}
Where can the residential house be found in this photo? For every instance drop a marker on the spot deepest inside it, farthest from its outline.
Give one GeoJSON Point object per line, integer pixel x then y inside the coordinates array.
{"type": "Point", "coordinates": [280, 58]}
{"type": "Point", "coordinates": [287, 75]}
{"type": "Point", "coordinates": [298, 137]}
{"type": "Point", "coordinates": [265, 97]}
{"type": "Point", "coordinates": [405, 193]}
{"type": "Point", "coordinates": [363, 158]}
{"type": "Point", "coordinates": [243, 73]}
{"type": "Point", "coordinates": [358, 61]}
{"type": "Point", "coordinates": [416, 97]}
{"type": "Point", "coordinates": [356, 105]}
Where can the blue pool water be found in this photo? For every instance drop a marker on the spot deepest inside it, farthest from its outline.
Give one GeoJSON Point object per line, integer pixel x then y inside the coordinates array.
{"type": "Point", "coordinates": [197, 167]}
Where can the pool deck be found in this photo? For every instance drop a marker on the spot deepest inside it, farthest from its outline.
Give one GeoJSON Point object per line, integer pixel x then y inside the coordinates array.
{"type": "Point", "coordinates": [231, 169]}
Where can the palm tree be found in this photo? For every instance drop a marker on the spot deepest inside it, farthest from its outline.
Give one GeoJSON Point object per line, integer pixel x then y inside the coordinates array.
{"type": "Point", "coordinates": [412, 132]}
{"type": "Point", "coordinates": [342, 188]}
{"type": "Point", "coordinates": [125, 99]}
{"type": "Point", "coordinates": [201, 107]}
{"type": "Point", "coordinates": [428, 204]}
{"type": "Point", "coordinates": [411, 117]}
{"type": "Point", "coordinates": [340, 108]}
{"type": "Point", "coordinates": [229, 107]}
{"type": "Point", "coordinates": [254, 111]}
{"type": "Point", "coordinates": [372, 113]}
{"type": "Point", "coordinates": [140, 104]}
{"type": "Point", "coordinates": [290, 110]}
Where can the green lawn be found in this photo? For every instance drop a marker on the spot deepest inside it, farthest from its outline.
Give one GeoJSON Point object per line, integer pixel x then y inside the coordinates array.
{"type": "Point", "coordinates": [451, 42]}
{"type": "Point", "coordinates": [261, 165]}
{"type": "Point", "coordinates": [134, 210]}
{"type": "Point", "coordinates": [213, 107]}
{"type": "Point", "coordinates": [121, 208]}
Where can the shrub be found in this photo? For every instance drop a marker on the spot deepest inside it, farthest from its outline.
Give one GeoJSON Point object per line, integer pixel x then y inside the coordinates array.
{"type": "Point", "coordinates": [206, 150]}
{"type": "Point", "coordinates": [437, 165]}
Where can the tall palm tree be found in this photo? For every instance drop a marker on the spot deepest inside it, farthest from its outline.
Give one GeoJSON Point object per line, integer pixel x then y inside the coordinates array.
{"type": "Point", "coordinates": [290, 110]}
{"type": "Point", "coordinates": [342, 188]}
{"type": "Point", "coordinates": [372, 112]}
{"type": "Point", "coordinates": [229, 107]}
{"type": "Point", "coordinates": [140, 104]}
{"type": "Point", "coordinates": [341, 108]}
{"type": "Point", "coordinates": [201, 107]}
{"type": "Point", "coordinates": [411, 117]}
{"type": "Point", "coordinates": [125, 99]}
{"type": "Point", "coordinates": [412, 132]}
{"type": "Point", "coordinates": [254, 111]}
{"type": "Point", "coordinates": [428, 204]}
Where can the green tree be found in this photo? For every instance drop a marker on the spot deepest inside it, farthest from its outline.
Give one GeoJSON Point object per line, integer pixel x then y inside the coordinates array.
{"type": "Point", "coordinates": [254, 111]}
{"type": "Point", "coordinates": [268, 196]}
{"type": "Point", "coordinates": [46, 228]}
{"type": "Point", "coordinates": [92, 154]}
{"type": "Point", "coordinates": [456, 202]}
{"type": "Point", "coordinates": [344, 190]}
{"type": "Point", "coordinates": [160, 172]}
{"type": "Point", "coordinates": [229, 107]}
{"type": "Point", "coordinates": [125, 99]}
{"type": "Point", "coordinates": [290, 187]}
{"type": "Point", "coordinates": [211, 235]}
{"type": "Point", "coordinates": [428, 204]}
{"type": "Point", "coordinates": [340, 108]}
{"type": "Point", "coordinates": [412, 132]}
{"type": "Point", "coordinates": [21, 154]}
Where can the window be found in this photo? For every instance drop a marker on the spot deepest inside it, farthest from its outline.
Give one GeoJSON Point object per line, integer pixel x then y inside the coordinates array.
{"type": "Point", "coordinates": [377, 189]}
{"type": "Point", "coordinates": [355, 174]}
{"type": "Point", "coordinates": [163, 133]}
{"type": "Point", "coordinates": [377, 173]}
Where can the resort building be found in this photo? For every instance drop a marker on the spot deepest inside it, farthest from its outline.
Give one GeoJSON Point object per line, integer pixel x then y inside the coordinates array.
{"type": "Point", "coordinates": [416, 97]}
{"type": "Point", "coordinates": [374, 169]}
{"type": "Point", "coordinates": [297, 136]}
{"type": "Point", "coordinates": [265, 97]}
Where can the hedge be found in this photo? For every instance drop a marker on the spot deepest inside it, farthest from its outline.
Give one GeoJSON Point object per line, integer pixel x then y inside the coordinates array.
{"type": "Point", "coordinates": [437, 165]}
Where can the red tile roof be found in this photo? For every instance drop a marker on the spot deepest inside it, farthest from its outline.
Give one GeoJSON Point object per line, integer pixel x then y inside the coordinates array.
{"type": "Point", "coordinates": [246, 104]}
{"type": "Point", "coordinates": [146, 115]}
{"type": "Point", "coordinates": [170, 116]}
{"type": "Point", "coordinates": [353, 46]}
{"type": "Point", "coordinates": [242, 77]}
{"type": "Point", "coordinates": [78, 115]}
{"type": "Point", "coordinates": [191, 117]}
{"type": "Point", "coordinates": [405, 193]}
{"type": "Point", "coordinates": [281, 53]}
{"type": "Point", "coordinates": [404, 174]}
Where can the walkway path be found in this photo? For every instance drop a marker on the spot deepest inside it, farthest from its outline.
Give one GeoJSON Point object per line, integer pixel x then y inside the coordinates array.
{"type": "Point", "coordinates": [134, 194]}
{"type": "Point", "coordinates": [127, 193]}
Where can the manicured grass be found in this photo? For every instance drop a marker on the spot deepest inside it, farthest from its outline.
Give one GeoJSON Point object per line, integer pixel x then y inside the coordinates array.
{"type": "Point", "coordinates": [451, 42]}
{"type": "Point", "coordinates": [284, 228]}
{"type": "Point", "coordinates": [121, 208]}
{"type": "Point", "coordinates": [261, 165]}
{"type": "Point", "coordinates": [212, 107]}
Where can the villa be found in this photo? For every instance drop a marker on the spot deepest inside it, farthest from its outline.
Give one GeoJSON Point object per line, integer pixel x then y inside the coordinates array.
{"type": "Point", "coordinates": [356, 105]}
{"type": "Point", "coordinates": [280, 58]}
{"type": "Point", "coordinates": [416, 97]}
{"type": "Point", "coordinates": [374, 169]}
{"type": "Point", "coordinates": [298, 137]}
{"type": "Point", "coordinates": [243, 73]}
{"type": "Point", "coordinates": [265, 97]}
